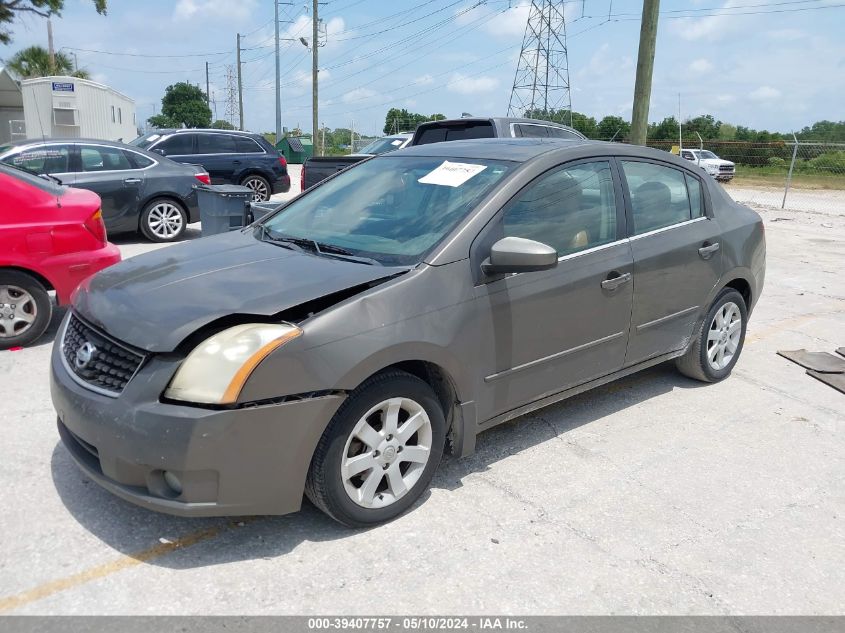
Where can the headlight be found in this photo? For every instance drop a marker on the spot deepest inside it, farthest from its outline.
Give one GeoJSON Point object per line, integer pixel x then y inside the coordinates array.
{"type": "Point", "coordinates": [217, 369]}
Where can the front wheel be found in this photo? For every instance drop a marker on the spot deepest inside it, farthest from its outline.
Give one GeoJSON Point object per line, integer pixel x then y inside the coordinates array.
{"type": "Point", "coordinates": [163, 220]}
{"type": "Point", "coordinates": [25, 309]}
{"type": "Point", "coordinates": [718, 342]}
{"type": "Point", "coordinates": [379, 452]}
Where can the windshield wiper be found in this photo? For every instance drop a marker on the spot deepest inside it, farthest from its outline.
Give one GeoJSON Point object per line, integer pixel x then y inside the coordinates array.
{"type": "Point", "coordinates": [319, 248]}
{"type": "Point", "coordinates": [51, 177]}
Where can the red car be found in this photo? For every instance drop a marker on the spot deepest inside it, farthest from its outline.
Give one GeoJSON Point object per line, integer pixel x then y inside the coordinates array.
{"type": "Point", "coordinates": [51, 238]}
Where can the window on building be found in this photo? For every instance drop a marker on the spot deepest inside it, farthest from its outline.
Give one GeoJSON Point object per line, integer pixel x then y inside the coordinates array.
{"type": "Point", "coordinates": [112, 114]}
{"type": "Point", "coordinates": [64, 116]}
{"type": "Point", "coordinates": [119, 116]}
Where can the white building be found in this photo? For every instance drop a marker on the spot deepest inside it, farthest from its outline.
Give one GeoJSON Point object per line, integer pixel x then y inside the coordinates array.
{"type": "Point", "coordinates": [64, 107]}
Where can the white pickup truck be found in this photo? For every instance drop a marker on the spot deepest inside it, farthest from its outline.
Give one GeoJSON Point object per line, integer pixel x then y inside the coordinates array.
{"type": "Point", "coordinates": [721, 170]}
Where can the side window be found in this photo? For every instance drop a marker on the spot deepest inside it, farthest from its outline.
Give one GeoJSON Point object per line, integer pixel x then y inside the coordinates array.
{"type": "Point", "coordinates": [216, 144]}
{"type": "Point", "coordinates": [532, 131]}
{"type": "Point", "coordinates": [138, 160]}
{"type": "Point", "coordinates": [659, 195]}
{"type": "Point", "coordinates": [97, 158]}
{"type": "Point", "coordinates": [570, 209]}
{"type": "Point", "coordinates": [246, 145]}
{"type": "Point", "coordinates": [177, 145]}
{"type": "Point", "coordinates": [559, 132]}
{"type": "Point", "coordinates": [47, 159]}
{"type": "Point", "coordinates": [695, 198]}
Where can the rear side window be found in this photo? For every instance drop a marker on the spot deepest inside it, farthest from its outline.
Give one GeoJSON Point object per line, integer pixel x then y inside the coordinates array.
{"type": "Point", "coordinates": [659, 195]}
{"type": "Point", "coordinates": [526, 130]}
{"type": "Point", "coordinates": [138, 160]}
{"type": "Point", "coordinates": [97, 158]}
{"type": "Point", "coordinates": [216, 144]}
{"type": "Point", "coordinates": [438, 134]}
{"type": "Point", "coordinates": [246, 145]}
{"type": "Point", "coordinates": [696, 200]}
{"type": "Point", "coordinates": [46, 159]}
{"type": "Point", "coordinates": [559, 132]}
{"type": "Point", "coordinates": [177, 145]}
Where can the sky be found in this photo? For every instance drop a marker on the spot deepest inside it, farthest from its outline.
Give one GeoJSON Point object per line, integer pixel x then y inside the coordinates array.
{"type": "Point", "coordinates": [765, 64]}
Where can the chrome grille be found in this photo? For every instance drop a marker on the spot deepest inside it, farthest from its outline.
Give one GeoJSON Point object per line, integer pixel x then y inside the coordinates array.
{"type": "Point", "coordinates": [96, 360]}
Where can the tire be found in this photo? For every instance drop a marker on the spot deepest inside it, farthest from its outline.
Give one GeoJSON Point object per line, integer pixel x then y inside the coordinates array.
{"type": "Point", "coordinates": [717, 332]}
{"type": "Point", "coordinates": [261, 190]}
{"type": "Point", "coordinates": [163, 220]}
{"type": "Point", "coordinates": [31, 314]}
{"type": "Point", "coordinates": [356, 501]}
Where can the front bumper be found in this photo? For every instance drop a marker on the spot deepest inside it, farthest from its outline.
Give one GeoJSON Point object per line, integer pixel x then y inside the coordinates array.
{"type": "Point", "coordinates": [229, 462]}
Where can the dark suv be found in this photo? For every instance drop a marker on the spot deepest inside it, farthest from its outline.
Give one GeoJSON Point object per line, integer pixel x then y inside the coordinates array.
{"type": "Point", "coordinates": [229, 156]}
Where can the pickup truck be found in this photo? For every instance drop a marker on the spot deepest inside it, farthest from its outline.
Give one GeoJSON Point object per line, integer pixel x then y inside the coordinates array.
{"type": "Point", "coordinates": [321, 167]}
{"type": "Point", "coordinates": [721, 170]}
{"type": "Point", "coordinates": [316, 169]}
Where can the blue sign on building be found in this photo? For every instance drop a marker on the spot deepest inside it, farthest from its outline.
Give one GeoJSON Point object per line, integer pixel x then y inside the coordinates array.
{"type": "Point", "coordinates": [60, 86]}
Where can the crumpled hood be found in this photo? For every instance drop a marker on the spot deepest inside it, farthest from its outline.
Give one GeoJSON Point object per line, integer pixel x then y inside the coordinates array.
{"type": "Point", "coordinates": [154, 301]}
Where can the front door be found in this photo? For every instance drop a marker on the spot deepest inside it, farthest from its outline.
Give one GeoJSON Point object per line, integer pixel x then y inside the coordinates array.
{"type": "Point", "coordinates": [677, 257]}
{"type": "Point", "coordinates": [555, 329]}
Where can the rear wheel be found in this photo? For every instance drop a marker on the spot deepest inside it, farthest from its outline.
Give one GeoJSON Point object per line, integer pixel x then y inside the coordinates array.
{"type": "Point", "coordinates": [719, 340]}
{"type": "Point", "coordinates": [25, 309]}
{"type": "Point", "coordinates": [163, 220]}
{"type": "Point", "coordinates": [260, 187]}
{"type": "Point", "coordinates": [379, 452]}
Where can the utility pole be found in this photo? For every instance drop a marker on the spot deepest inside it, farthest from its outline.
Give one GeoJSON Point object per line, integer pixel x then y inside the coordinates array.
{"type": "Point", "coordinates": [645, 67]}
{"type": "Point", "coordinates": [240, 87]}
{"type": "Point", "coordinates": [50, 44]}
{"type": "Point", "coordinates": [207, 87]}
{"type": "Point", "coordinates": [75, 63]}
{"type": "Point", "coordinates": [278, 78]}
{"type": "Point", "coordinates": [314, 47]}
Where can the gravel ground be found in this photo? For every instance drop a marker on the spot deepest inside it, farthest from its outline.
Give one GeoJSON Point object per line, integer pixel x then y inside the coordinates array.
{"type": "Point", "coordinates": [653, 495]}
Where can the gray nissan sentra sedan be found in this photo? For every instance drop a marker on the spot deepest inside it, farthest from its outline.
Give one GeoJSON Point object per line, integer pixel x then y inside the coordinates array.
{"type": "Point", "coordinates": [395, 311]}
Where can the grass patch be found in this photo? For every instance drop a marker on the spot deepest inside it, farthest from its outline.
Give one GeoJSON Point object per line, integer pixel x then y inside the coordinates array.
{"type": "Point", "coordinates": [773, 177]}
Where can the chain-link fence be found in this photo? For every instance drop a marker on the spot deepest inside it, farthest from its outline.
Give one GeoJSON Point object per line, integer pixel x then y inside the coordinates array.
{"type": "Point", "coordinates": [802, 175]}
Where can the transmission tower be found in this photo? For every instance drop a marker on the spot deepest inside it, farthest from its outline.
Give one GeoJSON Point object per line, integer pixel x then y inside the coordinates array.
{"type": "Point", "coordinates": [541, 83]}
{"type": "Point", "coordinates": [233, 112]}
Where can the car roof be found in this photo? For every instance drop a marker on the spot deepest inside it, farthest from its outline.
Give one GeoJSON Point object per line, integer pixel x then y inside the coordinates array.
{"type": "Point", "coordinates": [500, 121]}
{"type": "Point", "coordinates": [524, 149]}
{"type": "Point", "coordinates": [186, 130]}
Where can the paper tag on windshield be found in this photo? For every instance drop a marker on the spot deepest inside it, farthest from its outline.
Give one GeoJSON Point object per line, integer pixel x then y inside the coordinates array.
{"type": "Point", "coordinates": [396, 142]}
{"type": "Point", "coordinates": [452, 174]}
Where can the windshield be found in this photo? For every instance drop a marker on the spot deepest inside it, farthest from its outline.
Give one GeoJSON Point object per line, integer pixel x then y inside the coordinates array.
{"type": "Point", "coordinates": [393, 209]}
{"type": "Point", "coordinates": [382, 145]}
{"type": "Point", "coordinates": [45, 184]}
{"type": "Point", "coordinates": [706, 154]}
{"type": "Point", "coordinates": [146, 140]}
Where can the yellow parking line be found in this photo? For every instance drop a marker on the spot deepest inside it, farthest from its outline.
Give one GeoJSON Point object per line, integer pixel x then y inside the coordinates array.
{"type": "Point", "coordinates": [119, 564]}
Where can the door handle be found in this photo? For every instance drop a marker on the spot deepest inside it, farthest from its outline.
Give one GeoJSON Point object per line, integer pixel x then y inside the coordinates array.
{"type": "Point", "coordinates": [708, 249]}
{"type": "Point", "coordinates": [612, 283]}
{"type": "Point", "coordinates": [132, 181]}
{"type": "Point", "coordinates": [236, 162]}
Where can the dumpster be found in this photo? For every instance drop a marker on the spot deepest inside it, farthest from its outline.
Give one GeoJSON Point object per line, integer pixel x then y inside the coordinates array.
{"type": "Point", "coordinates": [222, 207]}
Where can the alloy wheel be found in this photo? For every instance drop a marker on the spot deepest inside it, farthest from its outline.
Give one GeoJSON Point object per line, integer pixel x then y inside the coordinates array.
{"type": "Point", "coordinates": [724, 335]}
{"type": "Point", "coordinates": [165, 220]}
{"type": "Point", "coordinates": [386, 453]}
{"type": "Point", "coordinates": [260, 193]}
{"type": "Point", "coordinates": [17, 311]}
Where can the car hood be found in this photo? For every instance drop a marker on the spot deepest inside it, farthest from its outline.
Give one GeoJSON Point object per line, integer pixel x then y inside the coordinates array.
{"type": "Point", "coordinates": [155, 301]}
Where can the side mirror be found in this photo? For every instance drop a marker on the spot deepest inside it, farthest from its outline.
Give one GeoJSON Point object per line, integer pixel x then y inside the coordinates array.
{"type": "Point", "coordinates": [519, 255]}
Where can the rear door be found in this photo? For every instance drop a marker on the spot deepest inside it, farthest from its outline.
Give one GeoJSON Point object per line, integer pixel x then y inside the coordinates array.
{"type": "Point", "coordinates": [111, 173]}
{"type": "Point", "coordinates": [677, 256]}
{"type": "Point", "coordinates": [559, 328]}
{"type": "Point", "coordinates": [219, 155]}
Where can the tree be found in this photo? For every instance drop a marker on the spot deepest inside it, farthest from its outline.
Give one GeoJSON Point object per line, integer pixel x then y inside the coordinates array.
{"type": "Point", "coordinates": [612, 127]}
{"type": "Point", "coordinates": [11, 9]}
{"type": "Point", "coordinates": [182, 104]}
{"type": "Point", "coordinates": [727, 132]}
{"type": "Point", "coordinates": [35, 62]}
{"type": "Point", "coordinates": [222, 124]}
{"type": "Point", "coordinates": [398, 120]}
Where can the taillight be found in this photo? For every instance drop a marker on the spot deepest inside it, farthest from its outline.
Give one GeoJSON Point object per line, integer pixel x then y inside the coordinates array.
{"type": "Point", "coordinates": [203, 178]}
{"type": "Point", "coordinates": [302, 178]}
{"type": "Point", "coordinates": [96, 226]}
{"type": "Point", "coordinates": [283, 161]}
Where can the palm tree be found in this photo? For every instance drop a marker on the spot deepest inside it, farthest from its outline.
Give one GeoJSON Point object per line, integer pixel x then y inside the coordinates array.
{"type": "Point", "coordinates": [35, 62]}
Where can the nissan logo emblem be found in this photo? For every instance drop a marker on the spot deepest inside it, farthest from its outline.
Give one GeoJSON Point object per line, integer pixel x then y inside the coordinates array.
{"type": "Point", "coordinates": [84, 355]}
